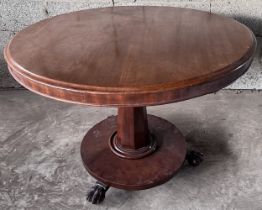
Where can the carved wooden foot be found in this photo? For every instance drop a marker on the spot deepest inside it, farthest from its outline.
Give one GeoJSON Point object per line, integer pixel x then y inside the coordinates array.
{"type": "Point", "coordinates": [97, 193]}
{"type": "Point", "coordinates": [194, 158]}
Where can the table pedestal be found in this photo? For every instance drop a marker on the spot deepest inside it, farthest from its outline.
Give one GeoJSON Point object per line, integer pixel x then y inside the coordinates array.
{"type": "Point", "coordinates": [132, 151]}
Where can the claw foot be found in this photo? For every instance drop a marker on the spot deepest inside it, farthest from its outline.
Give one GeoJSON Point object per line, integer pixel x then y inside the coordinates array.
{"type": "Point", "coordinates": [194, 158]}
{"type": "Point", "coordinates": [97, 193]}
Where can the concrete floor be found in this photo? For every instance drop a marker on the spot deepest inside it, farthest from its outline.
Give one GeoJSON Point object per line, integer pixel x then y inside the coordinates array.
{"type": "Point", "coordinates": [40, 164]}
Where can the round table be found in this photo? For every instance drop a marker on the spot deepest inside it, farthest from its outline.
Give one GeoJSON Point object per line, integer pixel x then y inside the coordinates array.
{"type": "Point", "coordinates": [130, 58]}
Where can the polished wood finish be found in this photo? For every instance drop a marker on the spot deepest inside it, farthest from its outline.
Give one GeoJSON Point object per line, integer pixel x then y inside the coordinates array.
{"type": "Point", "coordinates": [130, 56]}
{"type": "Point", "coordinates": [132, 127]}
{"type": "Point", "coordinates": [137, 174]}
{"type": "Point", "coordinates": [132, 139]}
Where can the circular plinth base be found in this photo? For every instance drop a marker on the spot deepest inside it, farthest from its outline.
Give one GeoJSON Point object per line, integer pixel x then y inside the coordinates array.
{"type": "Point", "coordinates": [130, 174]}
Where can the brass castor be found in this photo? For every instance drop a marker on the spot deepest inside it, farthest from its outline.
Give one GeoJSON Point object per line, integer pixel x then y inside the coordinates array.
{"type": "Point", "coordinates": [97, 193]}
{"type": "Point", "coordinates": [194, 158]}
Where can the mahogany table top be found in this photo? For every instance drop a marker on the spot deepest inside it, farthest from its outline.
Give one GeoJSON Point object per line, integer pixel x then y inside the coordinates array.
{"type": "Point", "coordinates": [130, 56]}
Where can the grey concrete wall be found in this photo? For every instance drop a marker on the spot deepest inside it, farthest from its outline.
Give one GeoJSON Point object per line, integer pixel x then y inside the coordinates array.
{"type": "Point", "coordinates": [17, 14]}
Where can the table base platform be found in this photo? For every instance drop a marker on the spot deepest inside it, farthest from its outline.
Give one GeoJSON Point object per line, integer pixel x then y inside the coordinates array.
{"type": "Point", "coordinates": [154, 164]}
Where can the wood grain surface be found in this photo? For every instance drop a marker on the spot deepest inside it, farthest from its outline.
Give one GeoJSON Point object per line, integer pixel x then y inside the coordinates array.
{"type": "Point", "coordinates": [130, 56]}
{"type": "Point", "coordinates": [135, 174]}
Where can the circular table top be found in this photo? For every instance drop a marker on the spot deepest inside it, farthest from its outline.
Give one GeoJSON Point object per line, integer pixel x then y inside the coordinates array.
{"type": "Point", "coordinates": [130, 56]}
